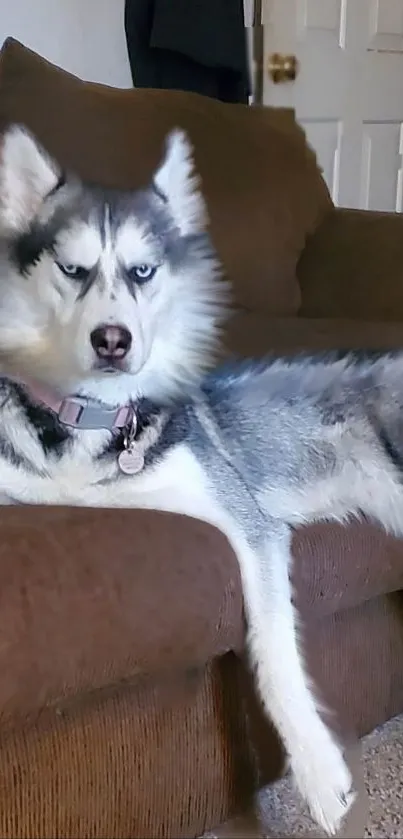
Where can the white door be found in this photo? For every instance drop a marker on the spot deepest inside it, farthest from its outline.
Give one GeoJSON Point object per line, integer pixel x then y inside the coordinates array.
{"type": "Point", "coordinates": [348, 91]}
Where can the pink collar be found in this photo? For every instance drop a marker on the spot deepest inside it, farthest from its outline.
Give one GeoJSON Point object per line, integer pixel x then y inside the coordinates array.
{"type": "Point", "coordinates": [82, 412]}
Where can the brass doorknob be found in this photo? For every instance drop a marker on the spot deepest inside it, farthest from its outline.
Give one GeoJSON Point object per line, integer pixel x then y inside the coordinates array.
{"type": "Point", "coordinates": [282, 68]}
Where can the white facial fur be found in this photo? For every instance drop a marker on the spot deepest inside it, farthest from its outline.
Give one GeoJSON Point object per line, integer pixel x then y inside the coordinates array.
{"type": "Point", "coordinates": [46, 319]}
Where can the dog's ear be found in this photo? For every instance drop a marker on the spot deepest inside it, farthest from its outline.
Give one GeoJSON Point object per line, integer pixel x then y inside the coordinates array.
{"type": "Point", "coordinates": [176, 180]}
{"type": "Point", "coordinates": [27, 175]}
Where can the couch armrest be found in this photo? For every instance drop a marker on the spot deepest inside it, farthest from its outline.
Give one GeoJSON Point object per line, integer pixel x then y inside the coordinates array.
{"type": "Point", "coordinates": [352, 267]}
{"type": "Point", "coordinates": [90, 598]}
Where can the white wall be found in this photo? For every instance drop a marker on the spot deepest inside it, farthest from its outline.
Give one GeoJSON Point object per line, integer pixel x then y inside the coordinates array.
{"type": "Point", "coordinates": [85, 37]}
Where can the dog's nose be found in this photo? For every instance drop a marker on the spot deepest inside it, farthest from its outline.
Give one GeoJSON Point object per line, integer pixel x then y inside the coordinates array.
{"type": "Point", "coordinates": [111, 342]}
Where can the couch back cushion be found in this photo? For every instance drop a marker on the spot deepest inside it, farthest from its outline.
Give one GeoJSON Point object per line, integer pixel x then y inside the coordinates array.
{"type": "Point", "coordinates": [263, 188]}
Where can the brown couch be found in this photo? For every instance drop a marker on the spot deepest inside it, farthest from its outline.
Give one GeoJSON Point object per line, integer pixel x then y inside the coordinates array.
{"type": "Point", "coordinates": [126, 707]}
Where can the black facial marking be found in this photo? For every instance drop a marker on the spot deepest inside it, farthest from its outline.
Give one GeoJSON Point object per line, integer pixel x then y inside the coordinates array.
{"type": "Point", "coordinates": [104, 218]}
{"type": "Point", "coordinates": [27, 249]}
{"type": "Point", "coordinates": [74, 272]}
{"type": "Point", "coordinates": [130, 285]}
{"type": "Point", "coordinates": [147, 207]}
{"type": "Point", "coordinates": [85, 285]}
{"type": "Point", "coordinates": [133, 282]}
{"type": "Point", "coordinates": [141, 274]}
{"type": "Point", "coordinates": [103, 209]}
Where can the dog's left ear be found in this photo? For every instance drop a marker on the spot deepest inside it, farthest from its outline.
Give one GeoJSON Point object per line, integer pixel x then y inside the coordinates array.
{"type": "Point", "coordinates": [177, 181]}
{"type": "Point", "coordinates": [27, 175]}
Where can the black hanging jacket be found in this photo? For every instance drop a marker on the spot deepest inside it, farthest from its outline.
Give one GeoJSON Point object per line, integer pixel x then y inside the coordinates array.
{"type": "Point", "coordinates": [196, 45]}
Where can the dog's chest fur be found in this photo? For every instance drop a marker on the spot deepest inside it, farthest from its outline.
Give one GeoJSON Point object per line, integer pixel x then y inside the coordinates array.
{"type": "Point", "coordinates": [43, 462]}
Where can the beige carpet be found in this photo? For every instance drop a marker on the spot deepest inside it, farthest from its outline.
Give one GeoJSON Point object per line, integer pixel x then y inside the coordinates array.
{"type": "Point", "coordinates": [381, 809]}
{"type": "Point", "coordinates": [382, 762]}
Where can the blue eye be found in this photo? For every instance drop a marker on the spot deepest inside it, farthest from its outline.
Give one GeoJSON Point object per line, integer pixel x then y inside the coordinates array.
{"type": "Point", "coordinates": [77, 272]}
{"type": "Point", "coordinates": [141, 273]}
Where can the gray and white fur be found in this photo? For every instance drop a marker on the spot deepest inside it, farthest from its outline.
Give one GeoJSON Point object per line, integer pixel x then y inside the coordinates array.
{"type": "Point", "coordinates": [254, 449]}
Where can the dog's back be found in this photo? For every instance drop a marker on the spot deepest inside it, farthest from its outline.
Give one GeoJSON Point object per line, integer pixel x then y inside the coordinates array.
{"type": "Point", "coordinates": [308, 428]}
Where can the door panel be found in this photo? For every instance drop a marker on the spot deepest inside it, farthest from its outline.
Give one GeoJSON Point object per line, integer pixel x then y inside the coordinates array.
{"type": "Point", "coordinates": [348, 93]}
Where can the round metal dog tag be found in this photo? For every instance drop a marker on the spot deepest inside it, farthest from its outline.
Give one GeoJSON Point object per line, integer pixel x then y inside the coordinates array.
{"type": "Point", "coordinates": [131, 461]}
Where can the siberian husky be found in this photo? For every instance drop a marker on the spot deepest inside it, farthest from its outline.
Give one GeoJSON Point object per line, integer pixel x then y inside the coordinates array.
{"type": "Point", "coordinates": [110, 306]}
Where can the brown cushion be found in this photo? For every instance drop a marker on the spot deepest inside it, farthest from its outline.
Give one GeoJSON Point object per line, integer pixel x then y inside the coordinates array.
{"type": "Point", "coordinates": [93, 597]}
{"type": "Point", "coordinates": [337, 567]}
{"type": "Point", "coordinates": [263, 188]}
{"type": "Point", "coordinates": [353, 267]}
{"type": "Point", "coordinates": [251, 334]}
{"type": "Point", "coordinates": [89, 598]}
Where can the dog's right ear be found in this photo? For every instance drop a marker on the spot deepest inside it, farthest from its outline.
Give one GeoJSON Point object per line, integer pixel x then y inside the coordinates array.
{"type": "Point", "coordinates": [27, 175]}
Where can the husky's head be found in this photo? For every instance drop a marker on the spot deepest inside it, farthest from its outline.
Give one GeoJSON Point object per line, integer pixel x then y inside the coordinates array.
{"type": "Point", "coordinates": [107, 293]}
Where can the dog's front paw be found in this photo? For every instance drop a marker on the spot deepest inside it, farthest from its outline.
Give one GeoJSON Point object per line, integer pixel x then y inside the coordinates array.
{"type": "Point", "coordinates": [324, 781]}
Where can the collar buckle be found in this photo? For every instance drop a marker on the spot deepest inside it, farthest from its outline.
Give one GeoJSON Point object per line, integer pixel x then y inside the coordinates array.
{"type": "Point", "coordinates": [79, 412]}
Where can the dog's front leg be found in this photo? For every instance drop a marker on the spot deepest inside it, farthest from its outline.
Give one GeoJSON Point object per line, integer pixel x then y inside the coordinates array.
{"type": "Point", "coordinates": [316, 759]}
